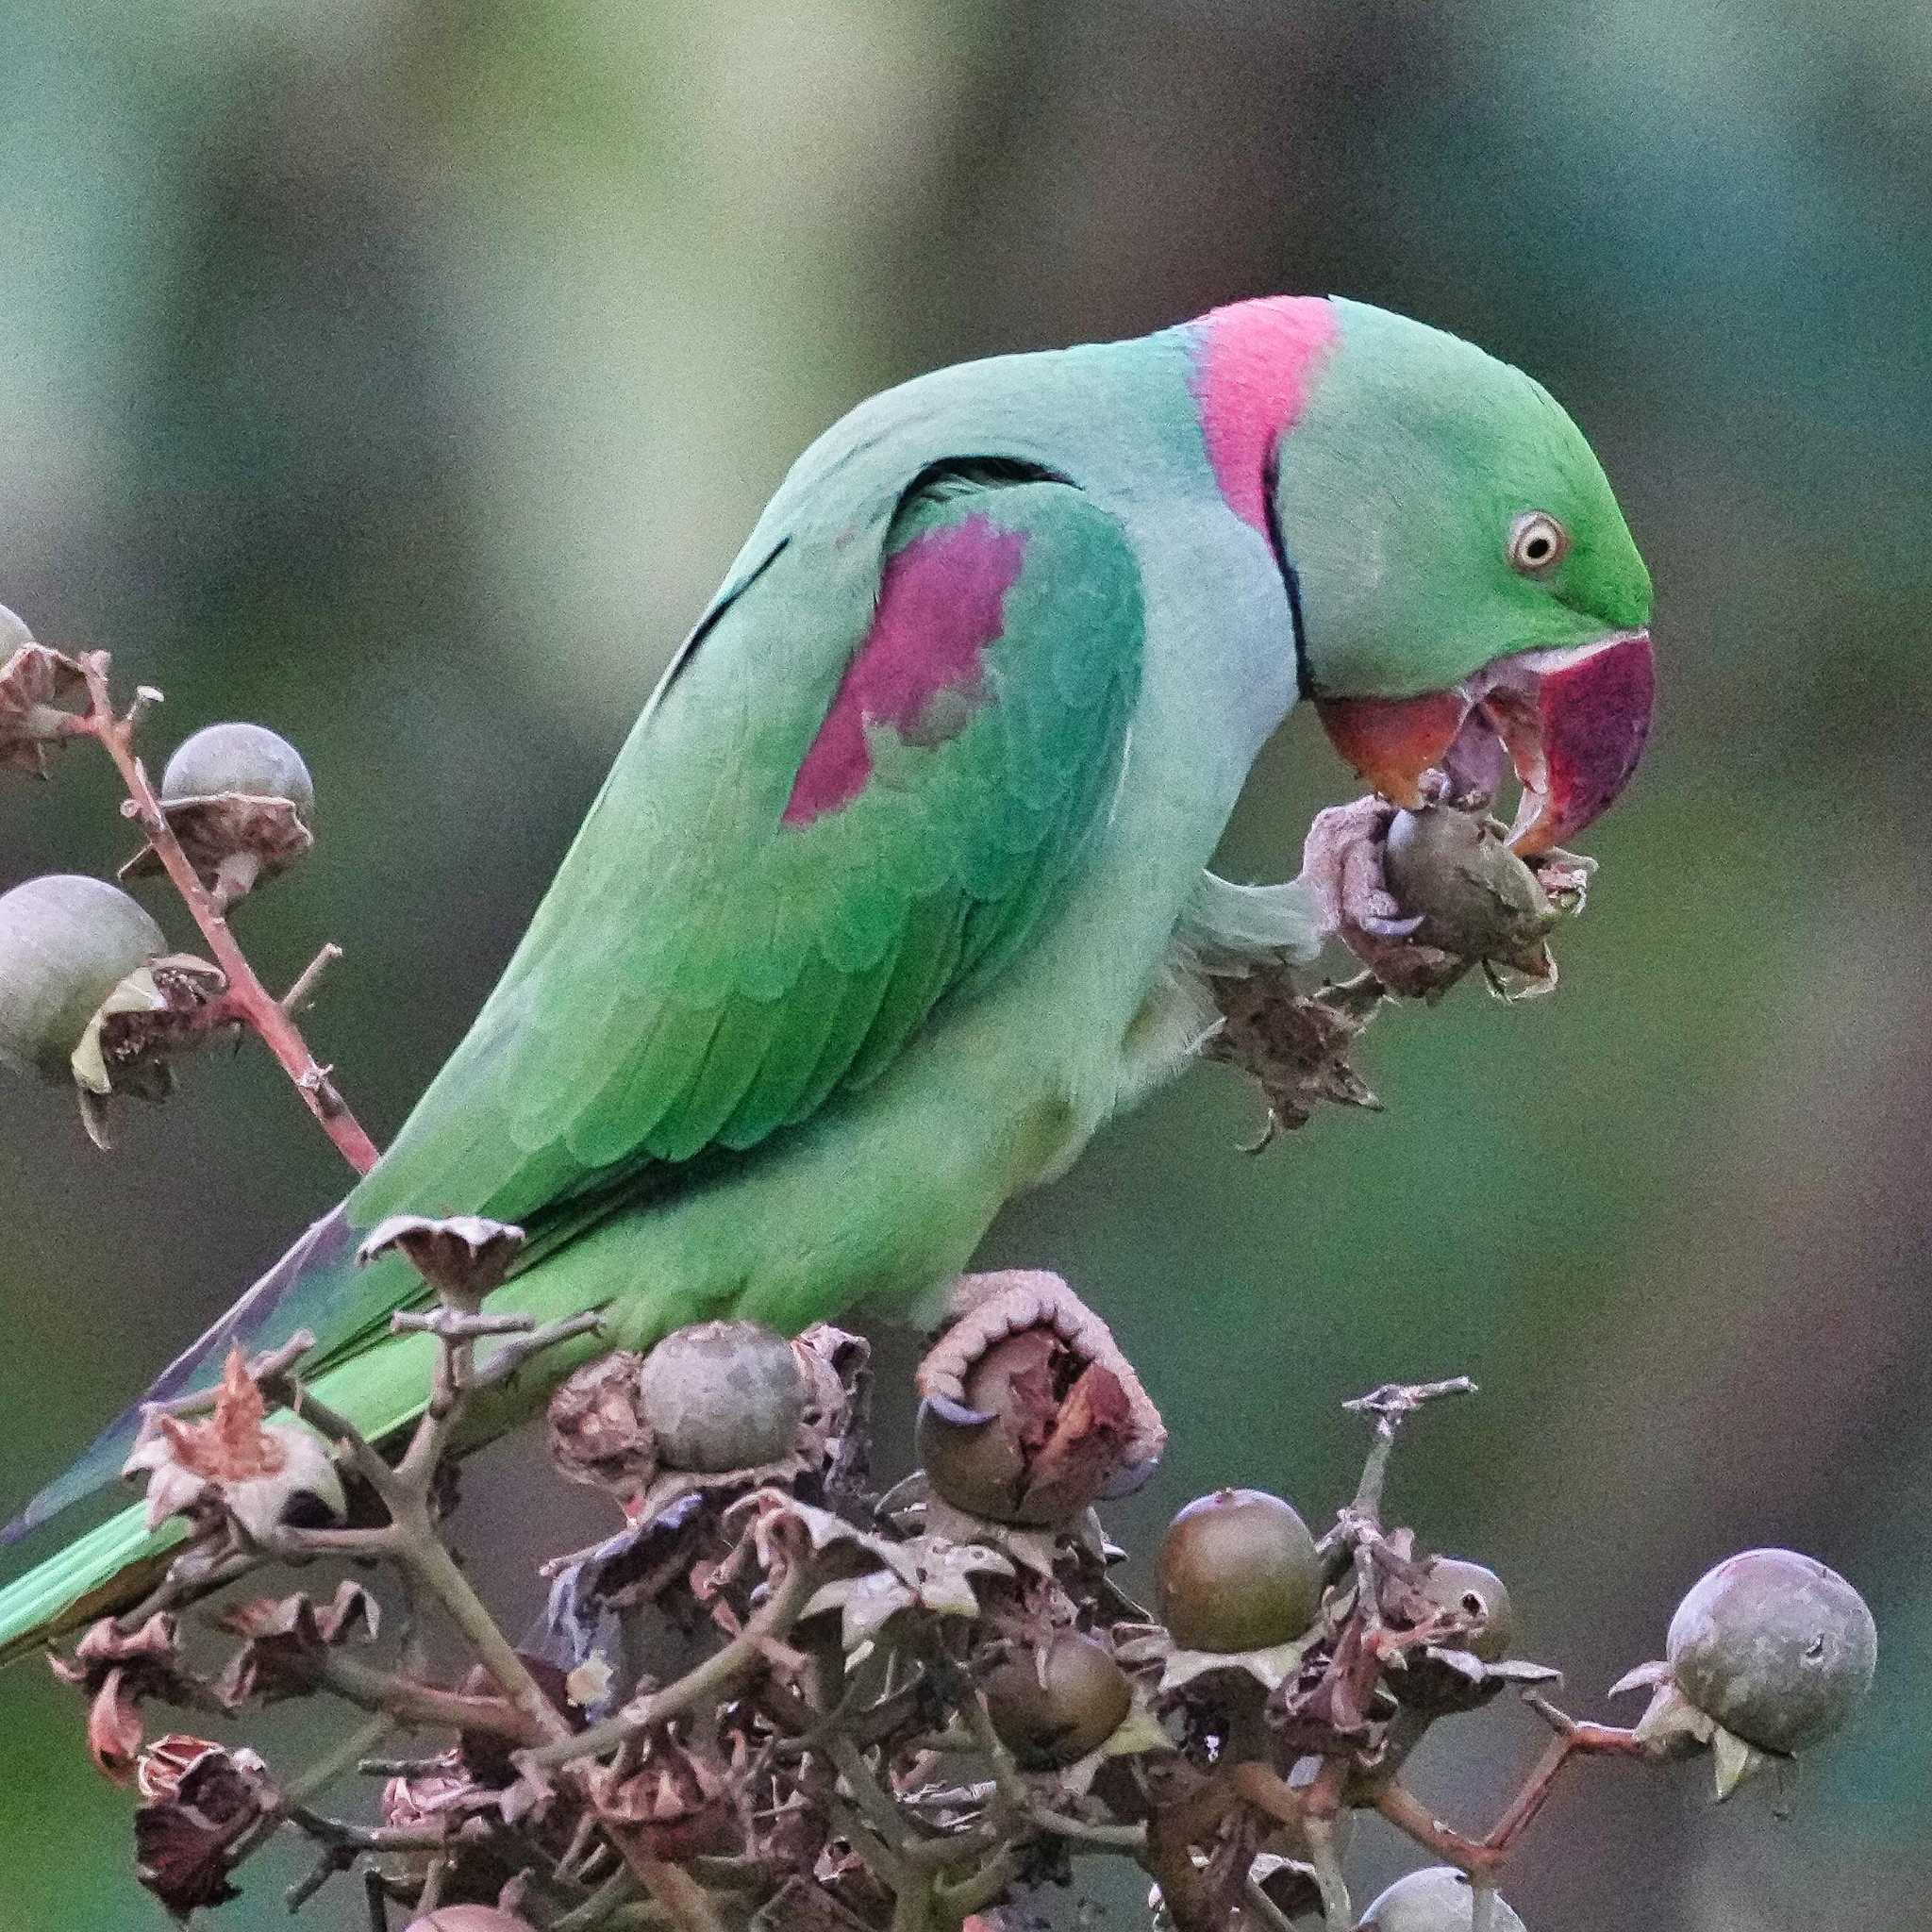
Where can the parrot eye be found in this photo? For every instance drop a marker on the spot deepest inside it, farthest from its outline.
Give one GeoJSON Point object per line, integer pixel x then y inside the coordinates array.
{"type": "Point", "coordinates": [1538, 542]}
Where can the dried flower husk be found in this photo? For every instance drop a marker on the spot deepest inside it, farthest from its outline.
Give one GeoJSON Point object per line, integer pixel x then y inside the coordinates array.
{"type": "Point", "coordinates": [463, 1256]}
{"type": "Point", "coordinates": [156, 1014]}
{"type": "Point", "coordinates": [208, 1799]}
{"type": "Point", "coordinates": [118, 1670]}
{"type": "Point", "coordinates": [1295, 1046]}
{"type": "Point", "coordinates": [286, 1638]}
{"type": "Point", "coordinates": [253, 1470]}
{"type": "Point", "coordinates": [42, 694]}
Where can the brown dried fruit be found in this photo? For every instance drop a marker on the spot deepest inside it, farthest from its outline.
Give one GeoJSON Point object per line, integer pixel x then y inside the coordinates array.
{"type": "Point", "coordinates": [1477, 899]}
{"type": "Point", "coordinates": [1237, 1571]}
{"type": "Point", "coordinates": [1055, 1703]}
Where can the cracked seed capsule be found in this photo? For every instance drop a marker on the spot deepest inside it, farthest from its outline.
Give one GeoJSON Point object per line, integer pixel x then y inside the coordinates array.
{"type": "Point", "coordinates": [1478, 1594]}
{"type": "Point", "coordinates": [1477, 899]}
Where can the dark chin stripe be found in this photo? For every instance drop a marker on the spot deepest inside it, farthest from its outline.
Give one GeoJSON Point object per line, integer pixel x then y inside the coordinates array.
{"type": "Point", "coordinates": [1290, 577]}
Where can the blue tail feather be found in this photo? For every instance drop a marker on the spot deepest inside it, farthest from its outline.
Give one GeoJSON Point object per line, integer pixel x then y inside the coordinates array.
{"type": "Point", "coordinates": [267, 1315]}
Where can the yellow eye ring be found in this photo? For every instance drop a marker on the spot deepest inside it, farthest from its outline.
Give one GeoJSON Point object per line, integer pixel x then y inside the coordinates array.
{"type": "Point", "coordinates": [1538, 543]}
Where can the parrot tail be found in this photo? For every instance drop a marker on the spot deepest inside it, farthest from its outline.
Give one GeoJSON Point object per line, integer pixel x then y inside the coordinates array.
{"type": "Point", "coordinates": [106, 1568]}
{"type": "Point", "coordinates": [90, 1574]}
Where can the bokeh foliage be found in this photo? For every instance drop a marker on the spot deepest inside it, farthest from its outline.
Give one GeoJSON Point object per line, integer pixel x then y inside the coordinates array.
{"type": "Point", "coordinates": [402, 373]}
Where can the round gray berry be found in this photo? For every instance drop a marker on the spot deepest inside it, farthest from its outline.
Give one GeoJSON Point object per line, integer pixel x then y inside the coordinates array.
{"type": "Point", "coordinates": [1776, 1647]}
{"type": "Point", "coordinates": [722, 1395]}
{"type": "Point", "coordinates": [246, 758]}
{"type": "Point", "coordinates": [1440, 1899]}
{"type": "Point", "coordinates": [66, 942]}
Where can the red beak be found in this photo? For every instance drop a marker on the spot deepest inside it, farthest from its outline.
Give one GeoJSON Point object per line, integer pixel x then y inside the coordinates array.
{"type": "Point", "coordinates": [1573, 723]}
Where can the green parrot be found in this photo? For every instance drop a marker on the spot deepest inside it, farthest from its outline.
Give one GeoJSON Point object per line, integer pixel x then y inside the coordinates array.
{"type": "Point", "coordinates": [898, 889]}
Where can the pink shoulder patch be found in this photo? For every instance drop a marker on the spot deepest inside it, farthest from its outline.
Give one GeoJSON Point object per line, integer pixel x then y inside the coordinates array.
{"type": "Point", "coordinates": [942, 601]}
{"type": "Point", "coordinates": [1254, 364]}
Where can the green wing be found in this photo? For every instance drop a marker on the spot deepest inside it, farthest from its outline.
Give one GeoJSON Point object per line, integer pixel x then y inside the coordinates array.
{"type": "Point", "coordinates": [855, 798]}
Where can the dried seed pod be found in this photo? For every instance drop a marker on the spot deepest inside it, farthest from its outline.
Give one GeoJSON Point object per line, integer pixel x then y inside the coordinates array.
{"type": "Point", "coordinates": [1440, 1899]}
{"type": "Point", "coordinates": [465, 1257]}
{"type": "Point", "coordinates": [1057, 1703]}
{"type": "Point", "coordinates": [1477, 1596]}
{"type": "Point", "coordinates": [1237, 1571]}
{"type": "Point", "coordinates": [597, 1431]}
{"type": "Point", "coordinates": [1477, 899]}
{"type": "Point", "coordinates": [241, 803]}
{"type": "Point", "coordinates": [66, 942]}
{"type": "Point", "coordinates": [1776, 1647]}
{"type": "Point", "coordinates": [42, 694]}
{"type": "Point", "coordinates": [261, 1471]}
{"type": "Point", "coordinates": [722, 1395]}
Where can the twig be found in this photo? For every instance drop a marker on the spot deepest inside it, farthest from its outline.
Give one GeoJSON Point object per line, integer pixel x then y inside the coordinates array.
{"type": "Point", "coordinates": [1573, 1739]}
{"type": "Point", "coordinates": [268, 1016]}
{"type": "Point", "coordinates": [297, 996]}
{"type": "Point", "coordinates": [619, 1889]}
{"type": "Point", "coordinates": [1392, 1405]}
{"type": "Point", "coordinates": [722, 1668]}
{"type": "Point", "coordinates": [412, 1703]}
{"type": "Point", "coordinates": [509, 1360]}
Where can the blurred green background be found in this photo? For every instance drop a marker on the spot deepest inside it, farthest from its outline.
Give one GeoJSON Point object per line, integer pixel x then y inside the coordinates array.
{"type": "Point", "coordinates": [403, 372]}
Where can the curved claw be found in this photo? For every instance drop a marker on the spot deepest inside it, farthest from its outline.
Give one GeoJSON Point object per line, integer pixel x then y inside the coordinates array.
{"type": "Point", "coordinates": [1390, 929]}
{"type": "Point", "coordinates": [1125, 1481]}
{"type": "Point", "coordinates": [959, 1414]}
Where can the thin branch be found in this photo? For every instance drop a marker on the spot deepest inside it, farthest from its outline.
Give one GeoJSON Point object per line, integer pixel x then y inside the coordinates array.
{"type": "Point", "coordinates": [409, 1703]}
{"type": "Point", "coordinates": [268, 1016]}
{"type": "Point", "coordinates": [299, 995]}
{"type": "Point", "coordinates": [721, 1669]}
{"type": "Point", "coordinates": [1392, 1405]}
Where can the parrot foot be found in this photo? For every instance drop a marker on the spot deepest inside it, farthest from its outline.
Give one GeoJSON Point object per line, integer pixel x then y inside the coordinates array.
{"type": "Point", "coordinates": [1342, 873]}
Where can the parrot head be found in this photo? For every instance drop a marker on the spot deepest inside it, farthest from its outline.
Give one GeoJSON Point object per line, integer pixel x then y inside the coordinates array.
{"type": "Point", "coordinates": [1464, 587]}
